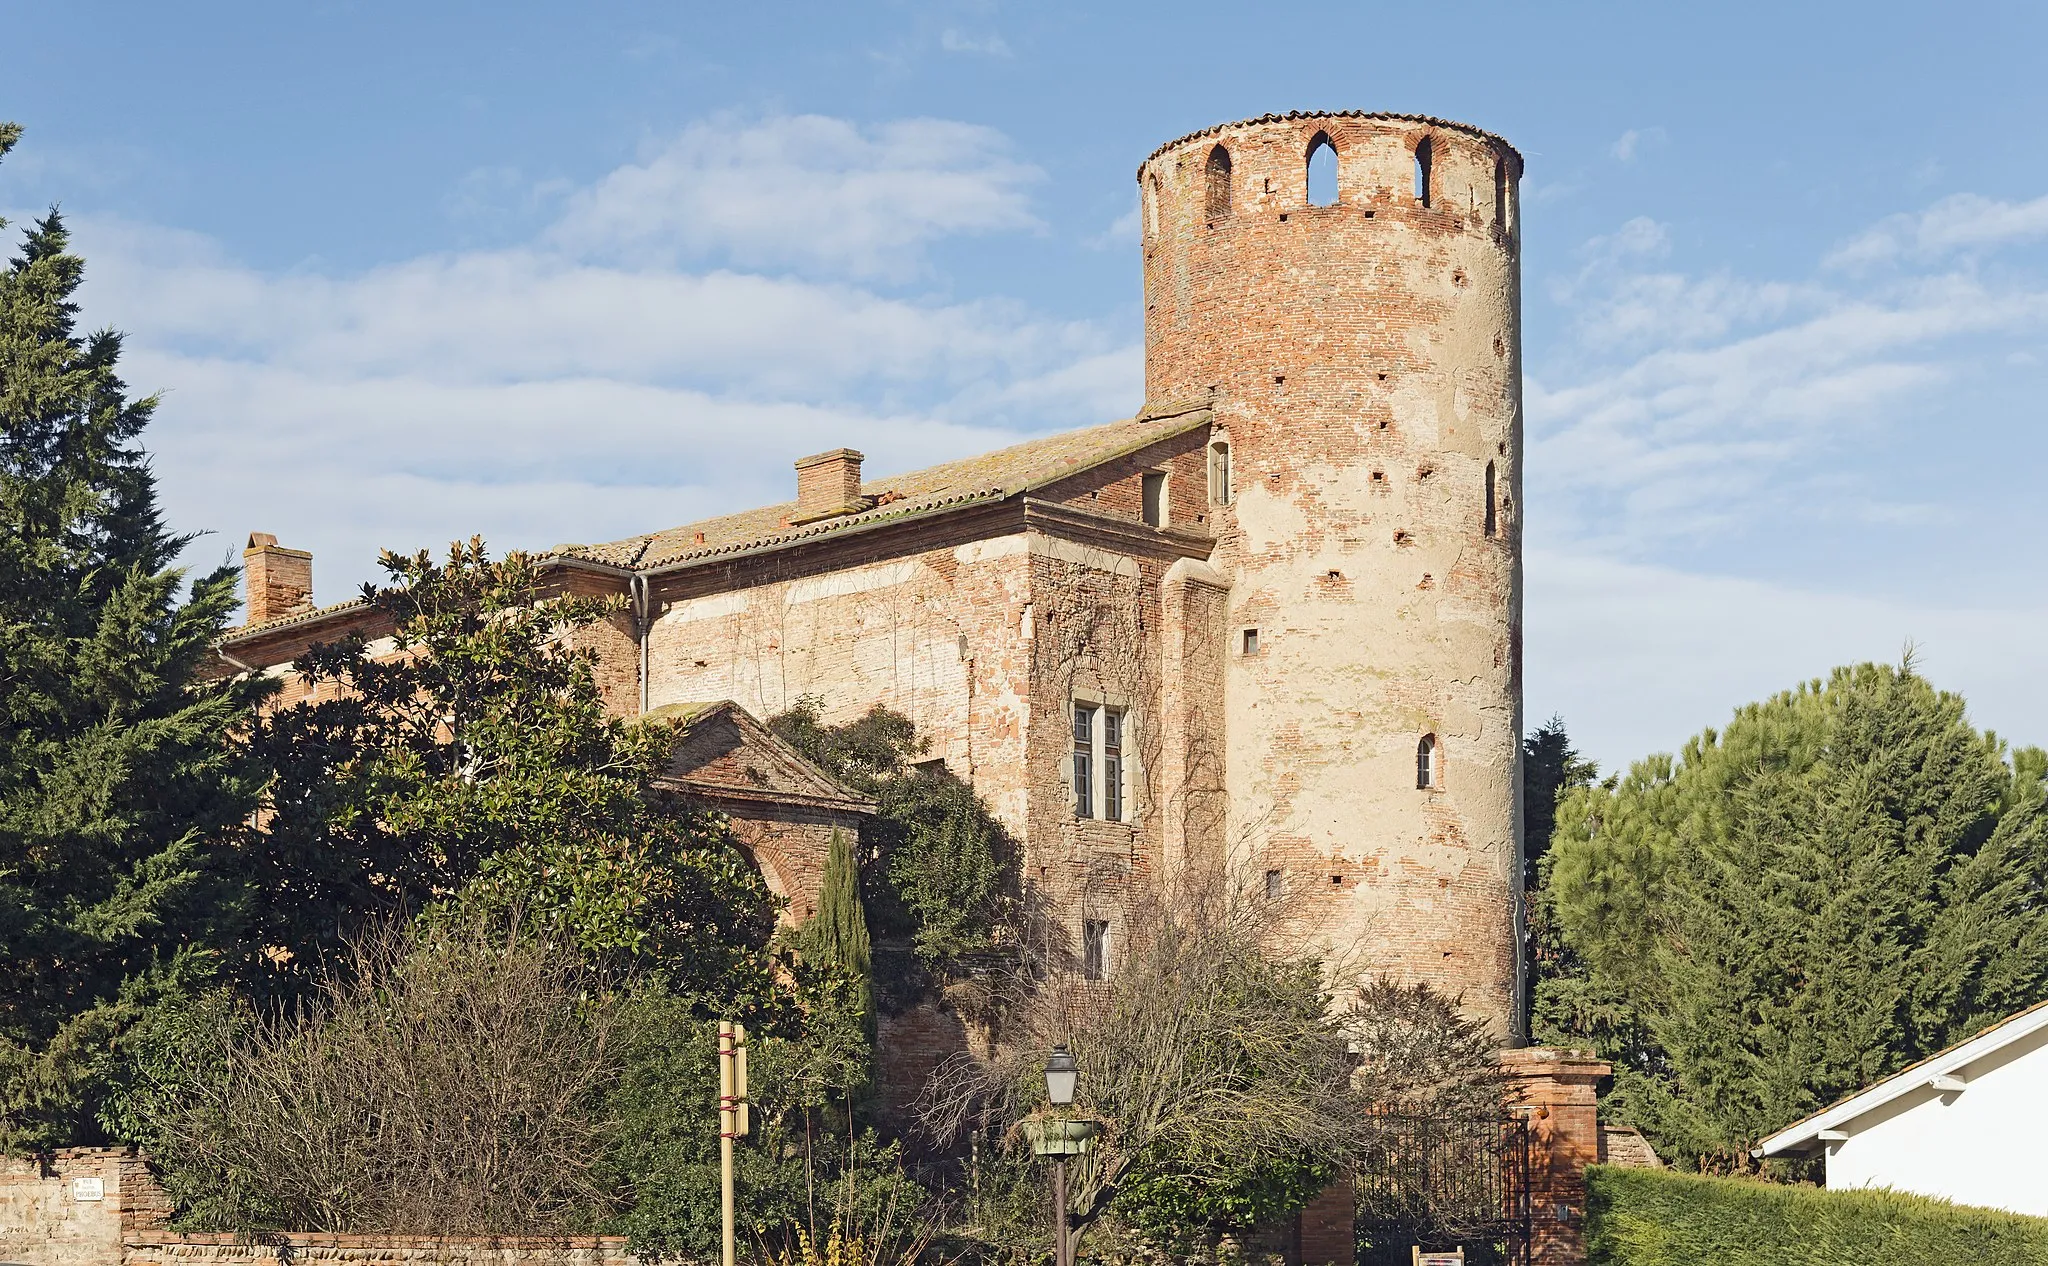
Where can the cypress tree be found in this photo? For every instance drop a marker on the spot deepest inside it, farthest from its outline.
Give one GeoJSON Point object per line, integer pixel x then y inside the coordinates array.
{"type": "Point", "coordinates": [836, 937]}
{"type": "Point", "coordinates": [117, 784]}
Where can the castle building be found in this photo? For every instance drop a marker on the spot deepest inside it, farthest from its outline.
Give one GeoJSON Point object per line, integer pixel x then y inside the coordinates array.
{"type": "Point", "coordinates": [1273, 618]}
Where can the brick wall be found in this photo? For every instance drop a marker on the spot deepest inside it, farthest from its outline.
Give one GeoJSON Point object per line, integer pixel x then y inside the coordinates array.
{"type": "Point", "coordinates": [1560, 1089]}
{"type": "Point", "coordinates": [73, 1207]}
{"type": "Point", "coordinates": [1362, 361]}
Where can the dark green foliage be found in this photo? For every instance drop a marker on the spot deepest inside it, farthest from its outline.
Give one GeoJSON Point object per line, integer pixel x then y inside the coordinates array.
{"type": "Point", "coordinates": [1639, 1217]}
{"type": "Point", "coordinates": [1173, 1212]}
{"type": "Point", "coordinates": [117, 783]}
{"type": "Point", "coordinates": [797, 1168]}
{"type": "Point", "coordinates": [835, 939]}
{"type": "Point", "coordinates": [480, 761]}
{"type": "Point", "coordinates": [946, 877]}
{"type": "Point", "coordinates": [1847, 879]}
{"type": "Point", "coordinates": [1551, 766]}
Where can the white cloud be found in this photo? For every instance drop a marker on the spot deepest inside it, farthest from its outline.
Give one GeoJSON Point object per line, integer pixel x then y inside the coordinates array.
{"type": "Point", "coordinates": [954, 40]}
{"type": "Point", "coordinates": [592, 384]}
{"type": "Point", "coordinates": [1962, 223]}
{"type": "Point", "coordinates": [1683, 405]}
{"type": "Point", "coordinates": [1639, 658]}
{"type": "Point", "coordinates": [1121, 233]}
{"type": "Point", "coordinates": [804, 191]}
{"type": "Point", "coordinates": [1635, 141]}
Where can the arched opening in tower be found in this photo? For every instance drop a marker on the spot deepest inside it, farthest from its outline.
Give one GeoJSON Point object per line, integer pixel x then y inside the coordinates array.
{"type": "Point", "coordinates": [1218, 200]}
{"type": "Point", "coordinates": [1424, 154]}
{"type": "Point", "coordinates": [1322, 171]}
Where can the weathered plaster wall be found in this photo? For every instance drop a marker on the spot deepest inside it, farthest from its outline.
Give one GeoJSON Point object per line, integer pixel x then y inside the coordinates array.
{"type": "Point", "coordinates": [935, 633]}
{"type": "Point", "coordinates": [1365, 362]}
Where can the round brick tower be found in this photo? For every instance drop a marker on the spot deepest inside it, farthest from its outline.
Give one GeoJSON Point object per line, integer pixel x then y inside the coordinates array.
{"type": "Point", "coordinates": [1364, 363]}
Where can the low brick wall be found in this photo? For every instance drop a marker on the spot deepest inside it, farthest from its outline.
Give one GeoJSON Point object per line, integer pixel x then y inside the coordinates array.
{"type": "Point", "coordinates": [72, 1207]}
{"type": "Point", "coordinates": [98, 1206]}
{"type": "Point", "coordinates": [166, 1248]}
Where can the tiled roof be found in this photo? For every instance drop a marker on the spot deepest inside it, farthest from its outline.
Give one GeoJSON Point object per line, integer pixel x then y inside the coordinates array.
{"type": "Point", "coordinates": [988, 477]}
{"type": "Point", "coordinates": [1430, 119]}
{"type": "Point", "coordinates": [311, 615]}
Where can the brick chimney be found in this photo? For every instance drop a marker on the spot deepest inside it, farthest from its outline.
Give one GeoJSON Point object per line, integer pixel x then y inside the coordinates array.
{"type": "Point", "coordinates": [278, 581]}
{"type": "Point", "coordinates": [827, 484]}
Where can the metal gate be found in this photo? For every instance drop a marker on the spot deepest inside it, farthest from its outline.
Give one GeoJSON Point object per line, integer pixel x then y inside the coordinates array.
{"type": "Point", "coordinates": [1443, 1183]}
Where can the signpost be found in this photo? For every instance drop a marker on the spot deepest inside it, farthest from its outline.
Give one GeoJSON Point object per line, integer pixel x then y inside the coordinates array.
{"type": "Point", "coordinates": [1456, 1257]}
{"type": "Point", "coordinates": [733, 1118]}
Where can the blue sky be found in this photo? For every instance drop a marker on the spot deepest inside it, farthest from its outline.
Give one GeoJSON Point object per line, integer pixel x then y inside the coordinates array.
{"type": "Point", "coordinates": [565, 273]}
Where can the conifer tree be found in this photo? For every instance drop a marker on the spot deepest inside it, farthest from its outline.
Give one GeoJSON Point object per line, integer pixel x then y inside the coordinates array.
{"type": "Point", "coordinates": [117, 784]}
{"type": "Point", "coordinates": [1846, 879]}
{"type": "Point", "coordinates": [836, 937]}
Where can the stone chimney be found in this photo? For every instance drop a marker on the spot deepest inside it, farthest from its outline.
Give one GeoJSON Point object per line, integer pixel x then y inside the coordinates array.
{"type": "Point", "coordinates": [278, 581]}
{"type": "Point", "coordinates": [827, 484]}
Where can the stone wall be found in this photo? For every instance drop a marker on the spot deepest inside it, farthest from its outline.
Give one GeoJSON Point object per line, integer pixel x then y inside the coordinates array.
{"type": "Point", "coordinates": [1362, 362]}
{"type": "Point", "coordinates": [172, 1249]}
{"type": "Point", "coordinates": [73, 1207]}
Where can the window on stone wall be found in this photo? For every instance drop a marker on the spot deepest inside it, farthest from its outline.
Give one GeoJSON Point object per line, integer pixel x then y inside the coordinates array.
{"type": "Point", "coordinates": [1217, 201]}
{"type": "Point", "coordinates": [1084, 760]}
{"type": "Point", "coordinates": [1500, 193]}
{"type": "Point", "coordinates": [1101, 737]}
{"type": "Point", "coordinates": [1152, 499]}
{"type": "Point", "coordinates": [1425, 153]}
{"type": "Point", "coordinates": [1322, 171]}
{"type": "Point", "coordinates": [1427, 760]}
{"type": "Point", "coordinates": [1112, 765]}
{"type": "Point", "coordinates": [1251, 641]}
{"type": "Point", "coordinates": [1274, 884]}
{"type": "Point", "coordinates": [1094, 949]}
{"type": "Point", "coordinates": [1219, 472]}
{"type": "Point", "coordinates": [1152, 207]}
{"type": "Point", "coordinates": [1492, 516]}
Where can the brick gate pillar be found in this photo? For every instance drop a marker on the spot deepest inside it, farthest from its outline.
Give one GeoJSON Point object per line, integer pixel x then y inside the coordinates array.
{"type": "Point", "coordinates": [1560, 1088]}
{"type": "Point", "coordinates": [1328, 1232]}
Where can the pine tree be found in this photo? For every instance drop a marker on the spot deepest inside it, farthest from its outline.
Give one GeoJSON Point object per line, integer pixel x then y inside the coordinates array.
{"type": "Point", "coordinates": [1847, 879]}
{"type": "Point", "coordinates": [117, 784]}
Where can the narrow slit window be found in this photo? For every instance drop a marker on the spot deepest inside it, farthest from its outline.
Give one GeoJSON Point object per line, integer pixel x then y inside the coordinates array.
{"type": "Point", "coordinates": [1084, 761]}
{"type": "Point", "coordinates": [1322, 171]}
{"type": "Point", "coordinates": [1273, 885]}
{"type": "Point", "coordinates": [1152, 499]}
{"type": "Point", "coordinates": [1425, 153]}
{"type": "Point", "coordinates": [1426, 772]}
{"type": "Point", "coordinates": [1094, 949]}
{"type": "Point", "coordinates": [1500, 193]}
{"type": "Point", "coordinates": [1112, 765]}
{"type": "Point", "coordinates": [1152, 208]}
{"type": "Point", "coordinates": [1219, 473]}
{"type": "Point", "coordinates": [1218, 200]}
{"type": "Point", "coordinates": [1492, 516]}
{"type": "Point", "coordinates": [1251, 641]}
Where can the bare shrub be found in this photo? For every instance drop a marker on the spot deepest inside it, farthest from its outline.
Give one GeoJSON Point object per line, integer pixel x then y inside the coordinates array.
{"type": "Point", "coordinates": [441, 1080]}
{"type": "Point", "coordinates": [1211, 1048]}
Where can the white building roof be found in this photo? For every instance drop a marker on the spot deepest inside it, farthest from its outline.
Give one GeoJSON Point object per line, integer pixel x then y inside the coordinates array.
{"type": "Point", "coordinates": [1939, 1070]}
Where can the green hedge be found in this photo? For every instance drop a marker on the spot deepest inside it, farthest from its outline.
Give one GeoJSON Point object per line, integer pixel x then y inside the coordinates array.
{"type": "Point", "coordinates": [1646, 1217]}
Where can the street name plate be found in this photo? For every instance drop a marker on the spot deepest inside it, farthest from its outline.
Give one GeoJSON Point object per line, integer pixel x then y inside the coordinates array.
{"type": "Point", "coordinates": [1456, 1257]}
{"type": "Point", "coordinates": [88, 1189]}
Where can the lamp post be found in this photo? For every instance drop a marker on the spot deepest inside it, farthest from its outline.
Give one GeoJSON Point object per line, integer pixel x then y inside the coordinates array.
{"type": "Point", "coordinates": [1059, 1136]}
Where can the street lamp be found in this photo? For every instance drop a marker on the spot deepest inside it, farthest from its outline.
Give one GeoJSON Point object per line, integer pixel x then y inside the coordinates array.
{"type": "Point", "coordinates": [1061, 1073]}
{"type": "Point", "coordinates": [1059, 1136]}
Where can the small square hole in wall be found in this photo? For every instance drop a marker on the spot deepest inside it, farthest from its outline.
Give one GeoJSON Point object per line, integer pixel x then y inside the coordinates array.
{"type": "Point", "coordinates": [1337, 879]}
{"type": "Point", "coordinates": [1251, 641]}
